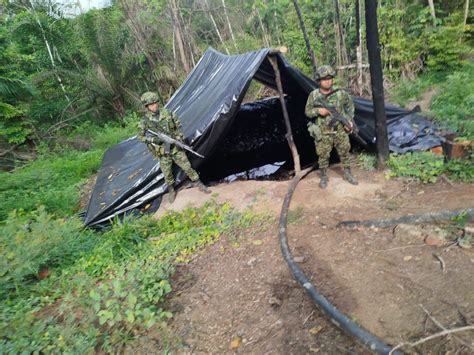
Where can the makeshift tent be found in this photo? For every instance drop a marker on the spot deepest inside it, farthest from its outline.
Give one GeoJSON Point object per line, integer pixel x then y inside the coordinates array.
{"type": "Point", "coordinates": [232, 136]}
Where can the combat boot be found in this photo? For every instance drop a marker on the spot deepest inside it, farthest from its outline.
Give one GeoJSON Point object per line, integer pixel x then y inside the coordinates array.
{"type": "Point", "coordinates": [323, 183]}
{"type": "Point", "coordinates": [171, 194]}
{"type": "Point", "coordinates": [202, 187]}
{"type": "Point", "coordinates": [349, 177]}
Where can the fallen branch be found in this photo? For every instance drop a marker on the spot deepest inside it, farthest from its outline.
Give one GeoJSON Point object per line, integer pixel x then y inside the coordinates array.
{"type": "Point", "coordinates": [433, 336]}
{"type": "Point", "coordinates": [412, 219]}
{"type": "Point", "coordinates": [441, 261]}
{"type": "Point", "coordinates": [443, 328]}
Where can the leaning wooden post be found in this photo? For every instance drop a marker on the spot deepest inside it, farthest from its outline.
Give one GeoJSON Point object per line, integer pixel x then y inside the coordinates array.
{"type": "Point", "coordinates": [289, 135]}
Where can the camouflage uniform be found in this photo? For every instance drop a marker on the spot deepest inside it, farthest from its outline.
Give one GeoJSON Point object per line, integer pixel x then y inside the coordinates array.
{"type": "Point", "coordinates": [325, 137]}
{"type": "Point", "coordinates": [168, 123]}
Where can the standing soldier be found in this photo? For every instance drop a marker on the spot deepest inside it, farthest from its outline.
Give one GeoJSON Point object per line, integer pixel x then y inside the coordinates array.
{"type": "Point", "coordinates": [327, 137]}
{"type": "Point", "coordinates": [168, 123]}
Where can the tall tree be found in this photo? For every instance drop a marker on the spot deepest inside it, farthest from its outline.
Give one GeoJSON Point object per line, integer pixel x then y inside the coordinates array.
{"type": "Point", "coordinates": [177, 29]}
{"type": "Point", "coordinates": [306, 38]}
{"type": "Point", "coordinates": [376, 78]}
{"type": "Point", "coordinates": [359, 48]}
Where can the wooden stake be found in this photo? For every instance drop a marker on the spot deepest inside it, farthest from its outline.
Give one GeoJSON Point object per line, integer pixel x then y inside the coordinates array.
{"type": "Point", "coordinates": [289, 134]}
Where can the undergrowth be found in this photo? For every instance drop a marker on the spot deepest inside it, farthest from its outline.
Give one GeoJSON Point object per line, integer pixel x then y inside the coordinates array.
{"type": "Point", "coordinates": [53, 180]}
{"type": "Point", "coordinates": [428, 167]}
{"type": "Point", "coordinates": [69, 289]}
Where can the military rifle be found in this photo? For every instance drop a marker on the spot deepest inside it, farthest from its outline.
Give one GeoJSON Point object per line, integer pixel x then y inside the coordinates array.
{"type": "Point", "coordinates": [337, 117]}
{"type": "Point", "coordinates": [168, 140]}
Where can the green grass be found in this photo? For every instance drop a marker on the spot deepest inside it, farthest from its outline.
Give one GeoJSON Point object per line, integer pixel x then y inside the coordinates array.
{"type": "Point", "coordinates": [104, 289]}
{"type": "Point", "coordinates": [453, 106]}
{"type": "Point", "coordinates": [54, 179]}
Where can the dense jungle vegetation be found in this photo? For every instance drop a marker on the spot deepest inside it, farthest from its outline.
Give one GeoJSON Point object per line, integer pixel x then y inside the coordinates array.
{"type": "Point", "coordinates": [70, 82]}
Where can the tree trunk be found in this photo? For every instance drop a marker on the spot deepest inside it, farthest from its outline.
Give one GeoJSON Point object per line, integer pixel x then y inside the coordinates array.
{"type": "Point", "coordinates": [179, 35]}
{"type": "Point", "coordinates": [306, 38]}
{"type": "Point", "coordinates": [229, 25]}
{"type": "Point", "coordinates": [138, 32]}
{"type": "Point", "coordinates": [277, 26]}
{"type": "Point", "coordinates": [215, 25]}
{"type": "Point", "coordinates": [359, 49]}
{"type": "Point", "coordinates": [48, 48]}
{"type": "Point", "coordinates": [376, 78]}
{"type": "Point", "coordinates": [340, 33]}
{"type": "Point", "coordinates": [266, 42]}
{"type": "Point", "coordinates": [432, 10]}
{"type": "Point", "coordinates": [289, 135]}
{"type": "Point", "coordinates": [466, 13]}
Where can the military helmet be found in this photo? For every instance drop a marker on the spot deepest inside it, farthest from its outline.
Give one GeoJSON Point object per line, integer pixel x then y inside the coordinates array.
{"type": "Point", "coordinates": [149, 98]}
{"type": "Point", "coordinates": [325, 71]}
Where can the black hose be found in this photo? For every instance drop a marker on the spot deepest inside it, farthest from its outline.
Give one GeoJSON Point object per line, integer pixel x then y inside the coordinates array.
{"type": "Point", "coordinates": [360, 335]}
{"type": "Point", "coordinates": [410, 219]}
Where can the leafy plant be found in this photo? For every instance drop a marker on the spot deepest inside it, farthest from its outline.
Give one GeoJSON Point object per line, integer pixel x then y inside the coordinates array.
{"type": "Point", "coordinates": [427, 167]}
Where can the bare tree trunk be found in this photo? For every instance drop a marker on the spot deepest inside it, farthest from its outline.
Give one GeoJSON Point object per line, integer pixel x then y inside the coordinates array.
{"type": "Point", "coordinates": [277, 26]}
{"type": "Point", "coordinates": [306, 38]}
{"type": "Point", "coordinates": [466, 13]}
{"type": "Point", "coordinates": [138, 32]}
{"type": "Point", "coordinates": [289, 134]}
{"type": "Point", "coordinates": [376, 78]}
{"type": "Point", "coordinates": [48, 47]}
{"type": "Point", "coordinates": [188, 38]}
{"type": "Point", "coordinates": [179, 35]}
{"type": "Point", "coordinates": [215, 25]}
{"type": "Point", "coordinates": [340, 34]}
{"type": "Point", "coordinates": [359, 48]}
{"type": "Point", "coordinates": [230, 26]}
{"type": "Point", "coordinates": [174, 49]}
{"type": "Point", "coordinates": [432, 9]}
{"type": "Point", "coordinates": [266, 42]}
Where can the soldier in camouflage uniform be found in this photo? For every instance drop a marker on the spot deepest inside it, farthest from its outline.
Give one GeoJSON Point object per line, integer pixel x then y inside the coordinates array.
{"type": "Point", "coordinates": [326, 137]}
{"type": "Point", "coordinates": [168, 123]}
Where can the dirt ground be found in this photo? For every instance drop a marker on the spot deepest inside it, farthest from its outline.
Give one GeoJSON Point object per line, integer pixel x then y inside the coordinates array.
{"type": "Point", "coordinates": [238, 295]}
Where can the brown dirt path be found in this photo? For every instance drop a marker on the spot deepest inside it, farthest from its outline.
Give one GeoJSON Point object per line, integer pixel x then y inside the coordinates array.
{"type": "Point", "coordinates": [240, 288]}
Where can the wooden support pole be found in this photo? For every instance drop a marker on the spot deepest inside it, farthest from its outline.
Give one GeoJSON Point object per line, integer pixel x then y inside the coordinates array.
{"type": "Point", "coordinates": [289, 134]}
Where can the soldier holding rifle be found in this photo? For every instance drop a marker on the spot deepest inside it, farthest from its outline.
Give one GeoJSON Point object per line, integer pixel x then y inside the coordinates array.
{"type": "Point", "coordinates": [161, 131]}
{"type": "Point", "coordinates": [331, 113]}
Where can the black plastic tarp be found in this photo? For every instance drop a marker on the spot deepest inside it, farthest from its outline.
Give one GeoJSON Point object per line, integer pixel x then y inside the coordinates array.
{"type": "Point", "coordinates": [232, 137]}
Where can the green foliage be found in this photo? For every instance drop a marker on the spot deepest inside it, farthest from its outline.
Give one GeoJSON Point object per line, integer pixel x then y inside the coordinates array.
{"type": "Point", "coordinates": [407, 89]}
{"type": "Point", "coordinates": [446, 45]}
{"type": "Point", "coordinates": [427, 167]}
{"type": "Point", "coordinates": [454, 105]}
{"type": "Point", "coordinates": [50, 181]}
{"type": "Point", "coordinates": [367, 161]}
{"type": "Point", "coordinates": [35, 242]}
{"type": "Point", "coordinates": [103, 289]}
{"type": "Point", "coordinates": [423, 166]}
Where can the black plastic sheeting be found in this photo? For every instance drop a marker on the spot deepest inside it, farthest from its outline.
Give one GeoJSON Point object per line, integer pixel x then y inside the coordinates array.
{"type": "Point", "coordinates": [232, 136]}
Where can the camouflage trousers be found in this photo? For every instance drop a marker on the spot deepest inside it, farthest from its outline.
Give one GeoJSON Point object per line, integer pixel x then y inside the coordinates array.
{"type": "Point", "coordinates": [180, 159]}
{"type": "Point", "coordinates": [338, 140]}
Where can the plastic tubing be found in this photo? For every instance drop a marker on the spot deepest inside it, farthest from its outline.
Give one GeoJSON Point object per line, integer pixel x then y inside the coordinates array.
{"type": "Point", "coordinates": [360, 335]}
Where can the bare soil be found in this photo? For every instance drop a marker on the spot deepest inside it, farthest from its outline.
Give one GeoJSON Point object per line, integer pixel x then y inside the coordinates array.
{"type": "Point", "coordinates": [238, 295]}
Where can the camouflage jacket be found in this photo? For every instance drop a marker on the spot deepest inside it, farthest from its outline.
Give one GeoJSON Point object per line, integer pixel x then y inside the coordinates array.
{"type": "Point", "coordinates": [340, 99]}
{"type": "Point", "coordinates": [163, 121]}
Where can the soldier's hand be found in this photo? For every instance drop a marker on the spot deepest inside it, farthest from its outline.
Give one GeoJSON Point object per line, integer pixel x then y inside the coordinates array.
{"type": "Point", "coordinates": [323, 112]}
{"type": "Point", "coordinates": [349, 129]}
